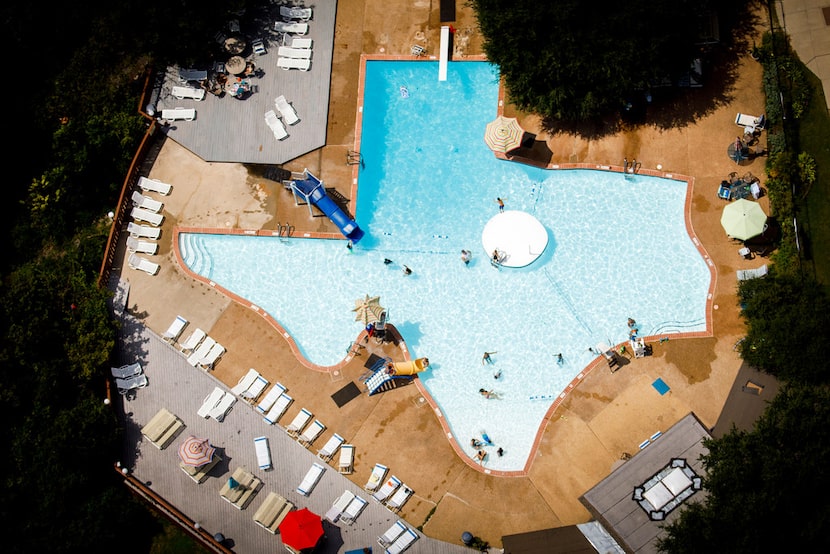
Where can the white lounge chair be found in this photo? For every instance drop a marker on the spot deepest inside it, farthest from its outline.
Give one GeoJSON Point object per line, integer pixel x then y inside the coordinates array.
{"type": "Point", "coordinates": [188, 92]}
{"type": "Point", "coordinates": [744, 274]}
{"type": "Point", "coordinates": [141, 246]}
{"type": "Point", "coordinates": [388, 487]}
{"type": "Point", "coordinates": [266, 403]}
{"type": "Point", "coordinates": [275, 125]}
{"type": "Point", "coordinates": [141, 214]}
{"type": "Point", "coordinates": [210, 402]}
{"type": "Point", "coordinates": [292, 28]}
{"type": "Point", "coordinates": [287, 111]}
{"type": "Point", "coordinates": [310, 480]}
{"type": "Point", "coordinates": [135, 382]}
{"type": "Point", "coordinates": [311, 433]}
{"type": "Point", "coordinates": [346, 463]}
{"type": "Point", "coordinates": [750, 123]}
{"type": "Point", "coordinates": [293, 63]}
{"type": "Point", "coordinates": [256, 388]}
{"type": "Point", "coordinates": [137, 262]}
{"type": "Point", "coordinates": [376, 478]}
{"type": "Point", "coordinates": [145, 202]}
{"type": "Point", "coordinates": [339, 505]}
{"type": "Point", "coordinates": [154, 185]}
{"type": "Point", "coordinates": [143, 231]}
{"type": "Point", "coordinates": [209, 360]}
{"type": "Point", "coordinates": [353, 510]}
{"type": "Point", "coordinates": [126, 371]}
{"type": "Point", "coordinates": [176, 114]}
{"type": "Point", "coordinates": [399, 498]}
{"type": "Point", "coordinates": [246, 381]}
{"type": "Point", "coordinates": [296, 53]}
{"type": "Point", "coordinates": [173, 332]}
{"type": "Point", "coordinates": [263, 453]}
{"type": "Point", "coordinates": [397, 529]}
{"type": "Point", "coordinates": [223, 407]}
{"type": "Point", "coordinates": [200, 352]}
{"type": "Point", "coordinates": [278, 409]}
{"type": "Point", "coordinates": [330, 447]}
{"type": "Point", "coordinates": [193, 341]}
{"type": "Point", "coordinates": [291, 12]}
{"type": "Point", "coordinates": [403, 542]}
{"type": "Point", "coordinates": [300, 421]}
{"type": "Point", "coordinates": [297, 42]}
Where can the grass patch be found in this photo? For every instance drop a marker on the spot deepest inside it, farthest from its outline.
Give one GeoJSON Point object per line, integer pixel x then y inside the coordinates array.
{"type": "Point", "coordinates": [173, 540]}
{"type": "Point", "coordinates": [814, 128]}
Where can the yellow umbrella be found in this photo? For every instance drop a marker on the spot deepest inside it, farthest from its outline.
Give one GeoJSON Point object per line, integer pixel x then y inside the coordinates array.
{"type": "Point", "coordinates": [503, 134]}
{"type": "Point", "coordinates": [743, 219]}
{"type": "Point", "coordinates": [368, 309]}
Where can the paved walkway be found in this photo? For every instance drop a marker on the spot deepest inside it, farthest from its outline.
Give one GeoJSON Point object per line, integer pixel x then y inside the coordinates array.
{"type": "Point", "coordinates": [808, 24]}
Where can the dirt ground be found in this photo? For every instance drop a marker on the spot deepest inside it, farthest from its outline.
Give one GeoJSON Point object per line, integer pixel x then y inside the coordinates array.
{"type": "Point", "coordinates": [606, 415]}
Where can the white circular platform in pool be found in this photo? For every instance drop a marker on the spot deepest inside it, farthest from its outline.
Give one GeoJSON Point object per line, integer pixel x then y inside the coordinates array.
{"type": "Point", "coordinates": [518, 236]}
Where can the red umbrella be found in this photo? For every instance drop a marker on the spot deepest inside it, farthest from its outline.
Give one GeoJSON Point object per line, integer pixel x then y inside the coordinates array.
{"type": "Point", "coordinates": [301, 529]}
{"type": "Point", "coordinates": [196, 452]}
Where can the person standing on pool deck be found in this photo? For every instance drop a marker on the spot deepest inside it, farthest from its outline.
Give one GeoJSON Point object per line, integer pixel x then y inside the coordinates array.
{"type": "Point", "coordinates": [500, 202]}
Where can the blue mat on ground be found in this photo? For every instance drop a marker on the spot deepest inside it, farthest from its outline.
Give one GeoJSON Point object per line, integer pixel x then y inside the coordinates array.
{"type": "Point", "coordinates": [661, 386]}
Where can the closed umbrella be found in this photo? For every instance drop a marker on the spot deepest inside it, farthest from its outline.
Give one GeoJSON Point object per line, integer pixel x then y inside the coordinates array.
{"type": "Point", "coordinates": [743, 219]}
{"type": "Point", "coordinates": [368, 310]}
{"type": "Point", "coordinates": [503, 134]}
{"type": "Point", "coordinates": [301, 529]}
{"type": "Point", "coordinates": [196, 452]}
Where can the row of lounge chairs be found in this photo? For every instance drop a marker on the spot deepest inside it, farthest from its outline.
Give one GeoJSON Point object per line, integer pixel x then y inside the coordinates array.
{"type": "Point", "coordinates": [397, 538]}
{"type": "Point", "coordinates": [201, 350]}
{"type": "Point", "coordinates": [217, 405]}
{"type": "Point", "coordinates": [289, 116]}
{"type": "Point", "coordinates": [390, 492]}
{"type": "Point", "coordinates": [145, 210]}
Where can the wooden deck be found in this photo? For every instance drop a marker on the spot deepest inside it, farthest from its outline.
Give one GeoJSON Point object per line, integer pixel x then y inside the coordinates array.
{"type": "Point", "coordinates": [230, 130]}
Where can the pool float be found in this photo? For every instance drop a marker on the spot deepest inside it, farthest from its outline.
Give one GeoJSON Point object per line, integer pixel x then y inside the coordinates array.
{"type": "Point", "coordinates": [486, 439]}
{"type": "Point", "coordinates": [404, 92]}
{"type": "Point", "coordinates": [409, 368]}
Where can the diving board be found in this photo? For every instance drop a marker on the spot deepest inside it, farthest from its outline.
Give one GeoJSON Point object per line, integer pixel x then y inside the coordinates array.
{"type": "Point", "coordinates": [444, 53]}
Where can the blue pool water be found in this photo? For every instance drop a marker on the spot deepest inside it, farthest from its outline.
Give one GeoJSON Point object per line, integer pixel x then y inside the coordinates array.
{"type": "Point", "coordinates": [618, 248]}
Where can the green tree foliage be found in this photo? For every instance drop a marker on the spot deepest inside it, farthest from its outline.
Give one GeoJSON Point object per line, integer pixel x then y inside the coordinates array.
{"type": "Point", "coordinates": [766, 488]}
{"type": "Point", "coordinates": [787, 321]}
{"type": "Point", "coordinates": [574, 60]}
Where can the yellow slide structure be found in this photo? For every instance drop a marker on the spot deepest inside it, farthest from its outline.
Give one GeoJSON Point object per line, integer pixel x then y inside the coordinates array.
{"type": "Point", "coordinates": [409, 368]}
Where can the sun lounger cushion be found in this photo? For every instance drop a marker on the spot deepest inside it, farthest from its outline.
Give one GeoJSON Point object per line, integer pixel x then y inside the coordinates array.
{"type": "Point", "coordinates": [137, 262]}
{"type": "Point", "coordinates": [403, 542]}
{"type": "Point", "coordinates": [210, 402]}
{"type": "Point", "coordinates": [387, 488]}
{"type": "Point", "coordinates": [275, 125]}
{"type": "Point", "coordinates": [263, 453]}
{"type": "Point", "coordinates": [397, 529]}
{"type": "Point", "coordinates": [287, 111]}
{"type": "Point", "coordinates": [141, 246]}
{"type": "Point", "coordinates": [188, 92]}
{"type": "Point", "coordinates": [294, 63]}
{"type": "Point", "coordinates": [297, 42]}
{"type": "Point", "coordinates": [339, 505]}
{"type": "Point", "coordinates": [268, 402]}
{"type": "Point", "coordinates": [353, 510]}
{"type": "Point", "coordinates": [256, 388]}
{"type": "Point", "coordinates": [210, 358]}
{"type": "Point", "coordinates": [298, 423]}
{"type": "Point", "coordinates": [177, 114]}
{"type": "Point", "coordinates": [141, 214]}
{"type": "Point", "coordinates": [278, 409]}
{"type": "Point", "coordinates": [399, 498]}
{"type": "Point", "coordinates": [272, 511]}
{"type": "Point", "coordinates": [143, 231]}
{"type": "Point", "coordinates": [246, 381]}
{"type": "Point", "coordinates": [201, 351]}
{"type": "Point", "coordinates": [311, 478]}
{"type": "Point", "coordinates": [376, 477]}
{"type": "Point", "coordinates": [330, 447]}
{"type": "Point", "coordinates": [311, 433]}
{"type": "Point", "coordinates": [154, 185]}
{"type": "Point", "coordinates": [194, 340]}
{"type": "Point", "coordinates": [173, 332]}
{"type": "Point", "coordinates": [346, 462]}
{"type": "Point", "coordinates": [296, 53]}
{"type": "Point", "coordinates": [145, 202]}
{"type": "Point", "coordinates": [223, 407]}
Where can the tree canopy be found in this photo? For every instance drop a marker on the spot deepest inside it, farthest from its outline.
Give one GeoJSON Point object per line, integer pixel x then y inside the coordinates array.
{"type": "Point", "coordinates": [574, 60]}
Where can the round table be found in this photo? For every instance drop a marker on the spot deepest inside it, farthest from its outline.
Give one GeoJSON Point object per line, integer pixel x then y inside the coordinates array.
{"type": "Point", "coordinates": [235, 45]}
{"type": "Point", "coordinates": [738, 155]}
{"type": "Point", "coordinates": [235, 65]}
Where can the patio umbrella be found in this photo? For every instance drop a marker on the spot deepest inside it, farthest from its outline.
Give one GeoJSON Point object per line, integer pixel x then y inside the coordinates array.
{"type": "Point", "coordinates": [368, 309]}
{"type": "Point", "coordinates": [743, 219]}
{"type": "Point", "coordinates": [195, 451]}
{"type": "Point", "coordinates": [503, 134]}
{"type": "Point", "coordinates": [301, 529]}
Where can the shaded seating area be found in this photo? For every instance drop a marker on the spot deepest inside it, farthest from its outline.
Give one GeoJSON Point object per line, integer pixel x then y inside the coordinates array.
{"type": "Point", "coordinates": [240, 488]}
{"type": "Point", "coordinates": [735, 187]}
{"type": "Point", "coordinates": [199, 474]}
{"type": "Point", "coordinates": [272, 511]}
{"type": "Point", "coordinates": [162, 429]}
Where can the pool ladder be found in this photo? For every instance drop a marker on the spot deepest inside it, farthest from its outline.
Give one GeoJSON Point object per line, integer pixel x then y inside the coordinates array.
{"type": "Point", "coordinates": [285, 230]}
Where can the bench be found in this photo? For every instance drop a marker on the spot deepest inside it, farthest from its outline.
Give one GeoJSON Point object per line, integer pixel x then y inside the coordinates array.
{"type": "Point", "coordinates": [162, 429]}
{"type": "Point", "coordinates": [271, 513]}
{"type": "Point", "coordinates": [176, 114]}
{"type": "Point", "coordinates": [241, 495]}
{"type": "Point", "coordinates": [199, 474]}
{"type": "Point", "coordinates": [188, 92]}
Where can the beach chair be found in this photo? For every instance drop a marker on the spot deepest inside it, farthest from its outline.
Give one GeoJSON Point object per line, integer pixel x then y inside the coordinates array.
{"type": "Point", "coordinates": [145, 202]}
{"type": "Point", "coordinates": [353, 510]}
{"type": "Point", "coordinates": [143, 231]}
{"type": "Point", "coordinates": [256, 388]}
{"type": "Point", "coordinates": [141, 246]}
{"type": "Point", "coordinates": [200, 352]}
{"type": "Point", "coordinates": [126, 371]}
{"type": "Point", "coordinates": [137, 262]}
{"type": "Point", "coordinates": [298, 42]}
{"type": "Point", "coordinates": [417, 50]}
{"type": "Point", "coordinates": [141, 214]}
{"type": "Point", "coordinates": [194, 340]}
{"type": "Point", "coordinates": [397, 529]}
{"type": "Point", "coordinates": [745, 274]}
{"type": "Point", "coordinates": [399, 498]}
{"type": "Point", "coordinates": [178, 114]}
{"type": "Point", "coordinates": [272, 511]}
{"type": "Point", "coordinates": [402, 542]}
{"type": "Point", "coordinates": [278, 409]}
{"type": "Point", "coordinates": [311, 433]}
{"type": "Point", "coordinates": [300, 421]}
{"type": "Point", "coordinates": [338, 506]}
{"type": "Point", "coordinates": [293, 63]}
{"type": "Point", "coordinates": [296, 53]}
{"type": "Point", "coordinates": [291, 12]}
{"type": "Point", "coordinates": [188, 92]}
{"type": "Point", "coordinates": [223, 407]}
{"type": "Point", "coordinates": [135, 382]}
{"type": "Point", "coordinates": [750, 123]}
{"type": "Point", "coordinates": [246, 381]}
{"type": "Point", "coordinates": [389, 486]}
{"type": "Point", "coordinates": [154, 185]}
{"type": "Point", "coordinates": [263, 453]}
{"type": "Point", "coordinates": [210, 402]}
{"type": "Point", "coordinates": [292, 28]}
{"type": "Point", "coordinates": [275, 125]}
{"type": "Point", "coordinates": [330, 447]}
{"type": "Point", "coordinates": [210, 359]}
{"type": "Point", "coordinates": [173, 332]}
{"type": "Point", "coordinates": [287, 111]}
{"type": "Point", "coordinates": [376, 477]}
{"type": "Point", "coordinates": [311, 478]}
{"type": "Point", "coordinates": [346, 463]}
{"type": "Point", "coordinates": [265, 405]}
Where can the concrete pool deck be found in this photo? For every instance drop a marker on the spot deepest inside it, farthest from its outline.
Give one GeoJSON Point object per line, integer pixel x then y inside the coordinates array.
{"type": "Point", "coordinates": [606, 416]}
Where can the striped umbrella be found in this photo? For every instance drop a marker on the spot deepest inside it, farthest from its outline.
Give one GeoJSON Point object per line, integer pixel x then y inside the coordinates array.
{"type": "Point", "coordinates": [196, 452]}
{"type": "Point", "coordinates": [503, 134]}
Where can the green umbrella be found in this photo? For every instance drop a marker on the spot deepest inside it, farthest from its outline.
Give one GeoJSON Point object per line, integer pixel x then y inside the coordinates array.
{"type": "Point", "coordinates": [743, 219]}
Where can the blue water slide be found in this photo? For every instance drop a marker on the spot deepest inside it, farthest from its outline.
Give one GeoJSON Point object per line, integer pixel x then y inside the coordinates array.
{"type": "Point", "coordinates": [312, 188]}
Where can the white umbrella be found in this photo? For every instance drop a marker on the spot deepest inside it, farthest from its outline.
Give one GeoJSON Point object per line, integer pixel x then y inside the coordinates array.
{"type": "Point", "coordinates": [743, 219]}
